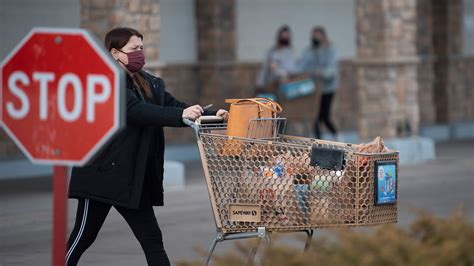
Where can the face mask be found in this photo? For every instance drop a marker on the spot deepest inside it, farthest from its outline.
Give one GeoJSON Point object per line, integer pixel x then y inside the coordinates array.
{"type": "Point", "coordinates": [136, 60]}
{"type": "Point", "coordinates": [316, 42]}
{"type": "Point", "coordinates": [284, 42]}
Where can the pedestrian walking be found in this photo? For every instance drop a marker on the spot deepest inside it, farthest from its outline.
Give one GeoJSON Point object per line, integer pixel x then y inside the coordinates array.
{"type": "Point", "coordinates": [319, 61]}
{"type": "Point", "coordinates": [127, 174]}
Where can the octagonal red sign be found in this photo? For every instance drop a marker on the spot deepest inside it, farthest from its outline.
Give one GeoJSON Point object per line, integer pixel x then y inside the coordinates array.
{"type": "Point", "coordinates": [61, 96]}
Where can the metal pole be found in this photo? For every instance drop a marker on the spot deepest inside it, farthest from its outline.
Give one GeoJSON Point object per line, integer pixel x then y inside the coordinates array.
{"type": "Point", "coordinates": [254, 252]}
{"type": "Point", "coordinates": [309, 236]}
{"type": "Point", "coordinates": [211, 250]}
{"type": "Point", "coordinates": [59, 215]}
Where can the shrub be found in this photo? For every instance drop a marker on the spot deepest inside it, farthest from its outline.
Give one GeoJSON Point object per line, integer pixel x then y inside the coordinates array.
{"type": "Point", "coordinates": [427, 241]}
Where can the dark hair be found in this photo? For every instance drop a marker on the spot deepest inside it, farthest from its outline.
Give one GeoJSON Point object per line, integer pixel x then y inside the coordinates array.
{"type": "Point", "coordinates": [117, 38]}
{"type": "Point", "coordinates": [284, 28]}
{"type": "Point", "coordinates": [321, 30]}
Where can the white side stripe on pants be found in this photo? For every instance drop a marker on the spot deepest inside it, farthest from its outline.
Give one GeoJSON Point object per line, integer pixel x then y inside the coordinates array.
{"type": "Point", "coordinates": [83, 224]}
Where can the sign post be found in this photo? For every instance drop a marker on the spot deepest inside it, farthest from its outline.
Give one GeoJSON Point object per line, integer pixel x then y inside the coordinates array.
{"type": "Point", "coordinates": [59, 214]}
{"type": "Point", "coordinates": [61, 102]}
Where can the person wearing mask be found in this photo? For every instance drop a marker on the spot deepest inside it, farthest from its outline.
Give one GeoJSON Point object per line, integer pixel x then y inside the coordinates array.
{"type": "Point", "coordinates": [127, 173]}
{"type": "Point", "coordinates": [279, 62]}
{"type": "Point", "coordinates": [319, 61]}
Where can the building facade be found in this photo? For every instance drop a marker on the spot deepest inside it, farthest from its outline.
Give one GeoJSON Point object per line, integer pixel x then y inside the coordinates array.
{"type": "Point", "coordinates": [403, 63]}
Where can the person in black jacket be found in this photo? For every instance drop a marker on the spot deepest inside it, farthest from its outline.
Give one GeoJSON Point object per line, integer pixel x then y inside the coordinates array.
{"type": "Point", "coordinates": [127, 173]}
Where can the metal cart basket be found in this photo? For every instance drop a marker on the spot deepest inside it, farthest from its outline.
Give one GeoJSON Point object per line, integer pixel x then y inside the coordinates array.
{"type": "Point", "coordinates": [287, 183]}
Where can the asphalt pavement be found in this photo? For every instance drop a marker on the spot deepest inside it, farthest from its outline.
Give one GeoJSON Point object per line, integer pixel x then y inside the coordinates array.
{"type": "Point", "coordinates": [438, 186]}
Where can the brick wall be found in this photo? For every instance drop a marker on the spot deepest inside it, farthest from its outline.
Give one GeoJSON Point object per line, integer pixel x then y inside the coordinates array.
{"type": "Point", "coordinates": [426, 81]}
{"type": "Point", "coordinates": [216, 30]}
{"type": "Point", "coordinates": [8, 149]}
{"type": "Point", "coordinates": [207, 84]}
{"type": "Point", "coordinates": [184, 83]}
{"type": "Point", "coordinates": [388, 99]}
{"type": "Point", "coordinates": [387, 68]}
{"type": "Point", "coordinates": [460, 89]}
{"type": "Point", "coordinates": [444, 79]}
{"type": "Point", "coordinates": [447, 43]}
{"type": "Point", "coordinates": [424, 46]}
{"type": "Point", "coordinates": [100, 16]}
{"type": "Point", "coordinates": [424, 30]}
{"type": "Point", "coordinates": [394, 20]}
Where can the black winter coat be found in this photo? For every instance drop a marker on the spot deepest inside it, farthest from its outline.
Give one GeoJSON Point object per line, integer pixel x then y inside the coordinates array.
{"type": "Point", "coordinates": [116, 175]}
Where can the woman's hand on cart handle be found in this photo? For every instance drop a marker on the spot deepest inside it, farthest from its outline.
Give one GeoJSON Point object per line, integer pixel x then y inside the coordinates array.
{"type": "Point", "coordinates": [223, 113]}
{"type": "Point", "coordinates": [193, 112]}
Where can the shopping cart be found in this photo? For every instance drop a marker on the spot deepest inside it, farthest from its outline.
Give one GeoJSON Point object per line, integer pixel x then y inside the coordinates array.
{"type": "Point", "coordinates": [268, 182]}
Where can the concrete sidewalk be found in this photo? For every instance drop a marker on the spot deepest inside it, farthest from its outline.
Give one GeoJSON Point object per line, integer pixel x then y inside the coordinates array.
{"type": "Point", "coordinates": [412, 150]}
{"type": "Point", "coordinates": [176, 159]}
{"type": "Point", "coordinates": [183, 164]}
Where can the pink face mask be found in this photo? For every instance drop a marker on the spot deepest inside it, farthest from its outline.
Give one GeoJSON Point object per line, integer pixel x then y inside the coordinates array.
{"type": "Point", "coordinates": [136, 60]}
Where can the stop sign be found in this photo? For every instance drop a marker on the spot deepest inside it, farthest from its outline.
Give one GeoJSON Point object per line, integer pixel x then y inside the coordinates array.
{"type": "Point", "coordinates": [61, 97]}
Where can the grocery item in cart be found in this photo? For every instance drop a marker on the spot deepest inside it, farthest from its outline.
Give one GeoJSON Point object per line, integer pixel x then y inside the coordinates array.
{"type": "Point", "coordinates": [242, 111]}
{"type": "Point", "coordinates": [375, 146]}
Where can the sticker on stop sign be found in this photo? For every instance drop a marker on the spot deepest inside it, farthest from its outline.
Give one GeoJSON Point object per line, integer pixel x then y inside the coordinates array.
{"type": "Point", "coordinates": [61, 96]}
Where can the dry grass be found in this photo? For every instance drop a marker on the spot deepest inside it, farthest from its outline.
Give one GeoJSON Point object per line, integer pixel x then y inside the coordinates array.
{"type": "Point", "coordinates": [427, 241]}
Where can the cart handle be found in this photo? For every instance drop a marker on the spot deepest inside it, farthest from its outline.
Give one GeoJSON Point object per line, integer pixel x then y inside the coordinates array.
{"type": "Point", "coordinates": [195, 125]}
{"type": "Point", "coordinates": [205, 119]}
{"type": "Point", "coordinates": [188, 122]}
{"type": "Point", "coordinates": [192, 124]}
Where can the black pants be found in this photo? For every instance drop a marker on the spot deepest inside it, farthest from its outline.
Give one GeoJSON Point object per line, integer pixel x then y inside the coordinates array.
{"type": "Point", "coordinates": [324, 115]}
{"type": "Point", "coordinates": [90, 217]}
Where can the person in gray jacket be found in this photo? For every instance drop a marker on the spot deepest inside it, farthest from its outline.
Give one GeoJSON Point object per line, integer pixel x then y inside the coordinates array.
{"type": "Point", "coordinates": [279, 61]}
{"type": "Point", "coordinates": [319, 61]}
